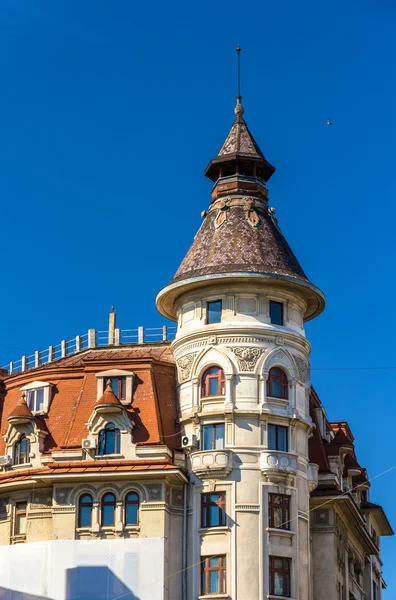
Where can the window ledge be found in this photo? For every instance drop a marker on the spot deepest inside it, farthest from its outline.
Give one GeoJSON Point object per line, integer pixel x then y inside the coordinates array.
{"type": "Point", "coordinates": [216, 529]}
{"type": "Point", "coordinates": [215, 597]}
{"type": "Point", "coordinates": [18, 539]}
{"type": "Point", "coordinates": [276, 531]}
{"type": "Point", "coordinates": [22, 466]}
{"type": "Point", "coordinates": [280, 597]}
{"type": "Point", "coordinates": [132, 527]}
{"type": "Point", "coordinates": [221, 397]}
{"type": "Point", "coordinates": [108, 456]}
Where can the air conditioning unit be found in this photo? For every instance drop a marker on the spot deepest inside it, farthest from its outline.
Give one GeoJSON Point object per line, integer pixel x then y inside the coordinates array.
{"type": "Point", "coordinates": [88, 443]}
{"type": "Point", "coordinates": [5, 460]}
{"type": "Point", "coordinates": [189, 441]}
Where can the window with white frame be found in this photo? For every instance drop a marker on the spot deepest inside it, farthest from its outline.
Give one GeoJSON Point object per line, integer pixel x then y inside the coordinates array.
{"type": "Point", "coordinates": [38, 395]}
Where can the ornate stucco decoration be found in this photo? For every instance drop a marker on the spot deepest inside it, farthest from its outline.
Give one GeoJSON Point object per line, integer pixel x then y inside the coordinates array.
{"type": "Point", "coordinates": [184, 365]}
{"type": "Point", "coordinates": [247, 357]}
{"type": "Point", "coordinates": [302, 368]}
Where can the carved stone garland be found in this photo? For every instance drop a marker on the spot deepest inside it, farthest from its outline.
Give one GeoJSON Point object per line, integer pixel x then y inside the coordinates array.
{"type": "Point", "coordinates": [247, 357]}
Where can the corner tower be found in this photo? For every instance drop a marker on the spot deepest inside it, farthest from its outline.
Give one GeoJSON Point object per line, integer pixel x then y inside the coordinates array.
{"type": "Point", "coordinates": [240, 298]}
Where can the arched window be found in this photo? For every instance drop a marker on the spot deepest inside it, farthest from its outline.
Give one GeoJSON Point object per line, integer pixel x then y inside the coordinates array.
{"type": "Point", "coordinates": [109, 440]}
{"type": "Point", "coordinates": [213, 382]}
{"type": "Point", "coordinates": [132, 509]}
{"type": "Point", "coordinates": [277, 384]}
{"type": "Point", "coordinates": [85, 505]}
{"type": "Point", "coordinates": [108, 509]}
{"type": "Point", "coordinates": [21, 451]}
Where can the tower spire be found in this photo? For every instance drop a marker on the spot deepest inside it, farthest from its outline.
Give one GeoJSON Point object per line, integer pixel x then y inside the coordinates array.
{"type": "Point", "coordinates": [239, 108]}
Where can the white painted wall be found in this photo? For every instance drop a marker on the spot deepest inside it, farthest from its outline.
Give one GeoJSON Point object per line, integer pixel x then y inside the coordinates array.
{"type": "Point", "coordinates": [80, 570]}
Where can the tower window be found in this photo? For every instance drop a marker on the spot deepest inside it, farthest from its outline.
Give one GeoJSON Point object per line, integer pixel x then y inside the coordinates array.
{"type": "Point", "coordinates": [117, 385]}
{"type": "Point", "coordinates": [279, 572]}
{"type": "Point", "coordinates": [212, 510]}
{"type": "Point", "coordinates": [279, 511]}
{"type": "Point", "coordinates": [276, 313]}
{"type": "Point", "coordinates": [213, 312]}
{"type": "Point", "coordinates": [21, 451]}
{"type": "Point", "coordinates": [213, 575]}
{"type": "Point", "coordinates": [35, 399]}
{"type": "Point", "coordinates": [213, 437]}
{"type": "Point", "coordinates": [213, 382]}
{"type": "Point", "coordinates": [277, 384]}
{"type": "Point", "coordinates": [277, 438]}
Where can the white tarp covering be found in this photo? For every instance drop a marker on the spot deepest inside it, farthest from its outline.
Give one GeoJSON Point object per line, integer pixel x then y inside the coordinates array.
{"type": "Point", "coordinates": [83, 570]}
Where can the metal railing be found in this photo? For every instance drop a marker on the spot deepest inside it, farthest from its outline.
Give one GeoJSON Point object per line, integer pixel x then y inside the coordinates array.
{"type": "Point", "coordinates": [92, 339]}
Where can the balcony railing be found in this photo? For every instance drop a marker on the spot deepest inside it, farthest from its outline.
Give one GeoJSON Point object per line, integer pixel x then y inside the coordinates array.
{"type": "Point", "coordinates": [279, 462]}
{"type": "Point", "coordinates": [92, 339]}
{"type": "Point", "coordinates": [211, 464]}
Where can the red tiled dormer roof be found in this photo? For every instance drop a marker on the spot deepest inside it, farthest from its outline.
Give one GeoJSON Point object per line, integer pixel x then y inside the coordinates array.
{"type": "Point", "coordinates": [109, 397]}
{"type": "Point", "coordinates": [21, 410]}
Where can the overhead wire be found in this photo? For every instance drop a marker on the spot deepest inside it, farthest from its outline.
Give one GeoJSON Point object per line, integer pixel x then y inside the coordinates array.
{"type": "Point", "coordinates": [332, 499]}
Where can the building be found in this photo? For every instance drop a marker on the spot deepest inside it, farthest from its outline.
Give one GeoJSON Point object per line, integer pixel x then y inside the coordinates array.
{"type": "Point", "coordinates": [210, 455]}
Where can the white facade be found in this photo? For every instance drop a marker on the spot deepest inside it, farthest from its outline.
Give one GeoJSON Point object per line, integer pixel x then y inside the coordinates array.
{"type": "Point", "coordinates": [246, 346]}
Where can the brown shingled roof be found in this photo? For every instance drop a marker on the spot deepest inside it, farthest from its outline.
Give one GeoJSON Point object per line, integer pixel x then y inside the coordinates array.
{"type": "Point", "coordinates": [236, 246]}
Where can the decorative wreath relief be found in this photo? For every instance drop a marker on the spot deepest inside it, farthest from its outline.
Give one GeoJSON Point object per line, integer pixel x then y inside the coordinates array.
{"type": "Point", "coordinates": [251, 214]}
{"type": "Point", "coordinates": [247, 357]}
{"type": "Point", "coordinates": [185, 363]}
{"type": "Point", "coordinates": [221, 215]}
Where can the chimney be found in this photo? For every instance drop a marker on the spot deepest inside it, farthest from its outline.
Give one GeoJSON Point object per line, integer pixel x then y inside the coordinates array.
{"type": "Point", "coordinates": [112, 326]}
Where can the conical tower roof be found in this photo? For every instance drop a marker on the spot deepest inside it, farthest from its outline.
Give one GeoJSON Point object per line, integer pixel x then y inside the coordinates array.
{"type": "Point", "coordinates": [240, 237]}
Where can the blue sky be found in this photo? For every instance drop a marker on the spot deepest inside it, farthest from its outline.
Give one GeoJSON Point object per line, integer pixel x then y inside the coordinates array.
{"type": "Point", "coordinates": [109, 113]}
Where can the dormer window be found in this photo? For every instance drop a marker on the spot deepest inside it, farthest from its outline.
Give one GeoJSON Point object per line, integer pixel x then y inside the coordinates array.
{"type": "Point", "coordinates": [121, 384]}
{"type": "Point", "coordinates": [109, 440]}
{"type": "Point", "coordinates": [118, 385]}
{"type": "Point", "coordinates": [38, 396]}
{"type": "Point", "coordinates": [21, 451]}
{"type": "Point", "coordinates": [276, 313]}
{"type": "Point", "coordinates": [35, 399]}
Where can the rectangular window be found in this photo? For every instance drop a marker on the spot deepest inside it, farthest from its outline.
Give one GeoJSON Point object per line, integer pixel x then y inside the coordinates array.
{"type": "Point", "coordinates": [213, 575]}
{"type": "Point", "coordinates": [279, 573]}
{"type": "Point", "coordinates": [375, 591]}
{"type": "Point", "coordinates": [118, 385]}
{"type": "Point", "coordinates": [35, 399]}
{"type": "Point", "coordinates": [277, 438]}
{"type": "Point", "coordinates": [213, 312]}
{"type": "Point", "coordinates": [212, 437]}
{"type": "Point", "coordinates": [279, 511]}
{"type": "Point", "coordinates": [276, 313]}
{"type": "Point", "coordinates": [212, 510]}
{"type": "Point", "coordinates": [20, 518]}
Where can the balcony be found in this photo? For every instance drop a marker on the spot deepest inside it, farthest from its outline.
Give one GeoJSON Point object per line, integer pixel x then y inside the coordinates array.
{"type": "Point", "coordinates": [312, 476]}
{"type": "Point", "coordinates": [276, 463]}
{"type": "Point", "coordinates": [211, 464]}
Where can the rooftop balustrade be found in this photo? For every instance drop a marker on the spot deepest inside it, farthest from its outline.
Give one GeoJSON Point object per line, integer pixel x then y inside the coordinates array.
{"type": "Point", "coordinates": [91, 340]}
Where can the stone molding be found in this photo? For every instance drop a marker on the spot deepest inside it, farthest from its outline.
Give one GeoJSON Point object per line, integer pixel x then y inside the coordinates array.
{"type": "Point", "coordinates": [247, 357]}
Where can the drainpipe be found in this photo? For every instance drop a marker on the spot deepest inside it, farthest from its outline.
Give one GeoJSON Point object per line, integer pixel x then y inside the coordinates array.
{"type": "Point", "coordinates": [184, 544]}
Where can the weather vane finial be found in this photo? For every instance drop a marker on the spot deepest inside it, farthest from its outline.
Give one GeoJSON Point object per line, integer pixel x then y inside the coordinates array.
{"type": "Point", "coordinates": [239, 108]}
